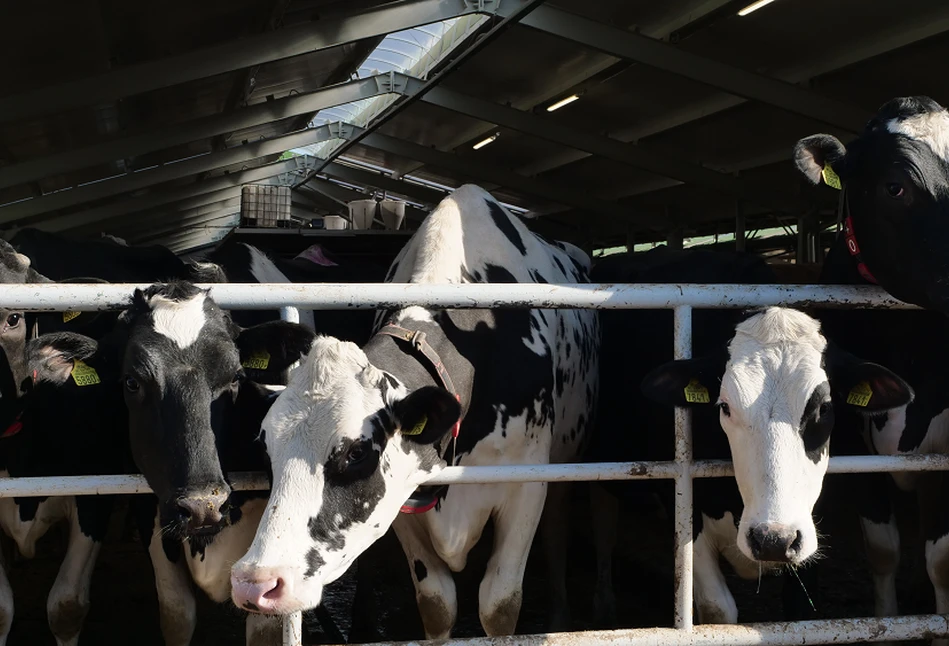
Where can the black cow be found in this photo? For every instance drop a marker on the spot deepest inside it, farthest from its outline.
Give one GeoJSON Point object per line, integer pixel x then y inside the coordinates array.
{"type": "Point", "coordinates": [895, 180]}
{"type": "Point", "coordinates": [769, 379]}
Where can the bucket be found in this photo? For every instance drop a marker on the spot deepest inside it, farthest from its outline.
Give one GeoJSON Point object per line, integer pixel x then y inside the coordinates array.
{"type": "Point", "coordinates": [334, 222]}
{"type": "Point", "coordinates": [393, 213]}
{"type": "Point", "coordinates": [361, 212]}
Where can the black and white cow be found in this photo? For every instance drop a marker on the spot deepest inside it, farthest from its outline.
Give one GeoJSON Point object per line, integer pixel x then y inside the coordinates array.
{"type": "Point", "coordinates": [358, 430]}
{"type": "Point", "coordinates": [767, 379]}
{"type": "Point", "coordinates": [895, 178]}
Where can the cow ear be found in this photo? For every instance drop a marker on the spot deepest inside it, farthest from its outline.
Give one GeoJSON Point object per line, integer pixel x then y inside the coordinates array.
{"type": "Point", "coordinates": [51, 357]}
{"type": "Point", "coordinates": [813, 153]}
{"type": "Point", "coordinates": [687, 382]}
{"type": "Point", "coordinates": [866, 387]}
{"type": "Point", "coordinates": [273, 346]}
{"type": "Point", "coordinates": [427, 414]}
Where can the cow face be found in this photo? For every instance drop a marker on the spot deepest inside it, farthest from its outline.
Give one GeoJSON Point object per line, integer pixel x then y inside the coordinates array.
{"type": "Point", "coordinates": [776, 388]}
{"type": "Point", "coordinates": [896, 175]}
{"type": "Point", "coordinates": [348, 445]}
{"type": "Point", "coordinates": [15, 269]}
{"type": "Point", "coordinates": [182, 377]}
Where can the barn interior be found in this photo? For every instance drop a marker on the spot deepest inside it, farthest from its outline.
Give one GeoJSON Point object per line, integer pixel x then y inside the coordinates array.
{"type": "Point", "coordinates": [613, 124]}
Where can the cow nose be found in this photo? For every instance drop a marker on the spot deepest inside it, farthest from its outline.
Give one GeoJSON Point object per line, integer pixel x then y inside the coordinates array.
{"type": "Point", "coordinates": [774, 542]}
{"type": "Point", "coordinates": [259, 594]}
{"type": "Point", "coordinates": [204, 509]}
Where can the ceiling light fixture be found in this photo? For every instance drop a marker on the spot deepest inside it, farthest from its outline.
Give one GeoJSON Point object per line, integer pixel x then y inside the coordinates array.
{"type": "Point", "coordinates": [562, 102]}
{"type": "Point", "coordinates": [484, 142]}
{"type": "Point", "coordinates": [754, 6]}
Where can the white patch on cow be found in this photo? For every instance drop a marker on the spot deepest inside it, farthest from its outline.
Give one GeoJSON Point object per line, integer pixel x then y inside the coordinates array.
{"type": "Point", "coordinates": [774, 367]}
{"type": "Point", "coordinates": [713, 600]}
{"type": "Point", "coordinates": [882, 542]}
{"type": "Point", "coordinates": [180, 321]}
{"type": "Point", "coordinates": [886, 442]}
{"type": "Point", "coordinates": [930, 128]}
{"type": "Point", "coordinates": [176, 604]}
{"type": "Point", "coordinates": [211, 571]}
{"type": "Point", "coordinates": [264, 270]}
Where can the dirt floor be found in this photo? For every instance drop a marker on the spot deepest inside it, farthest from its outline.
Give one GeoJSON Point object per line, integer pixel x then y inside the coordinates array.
{"type": "Point", "coordinates": [124, 608]}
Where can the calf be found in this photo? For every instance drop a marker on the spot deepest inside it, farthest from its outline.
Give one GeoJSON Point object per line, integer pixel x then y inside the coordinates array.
{"type": "Point", "coordinates": [358, 430]}
{"type": "Point", "coordinates": [775, 389]}
{"type": "Point", "coordinates": [895, 212]}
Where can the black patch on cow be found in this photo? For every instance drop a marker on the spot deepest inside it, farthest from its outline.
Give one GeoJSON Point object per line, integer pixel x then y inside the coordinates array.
{"type": "Point", "coordinates": [505, 226]}
{"type": "Point", "coordinates": [817, 422]}
{"type": "Point", "coordinates": [313, 563]}
{"type": "Point", "coordinates": [420, 571]}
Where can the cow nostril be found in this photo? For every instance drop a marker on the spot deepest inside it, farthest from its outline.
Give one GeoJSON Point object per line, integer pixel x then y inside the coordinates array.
{"type": "Point", "coordinates": [754, 542]}
{"type": "Point", "coordinates": [796, 545]}
{"type": "Point", "coordinates": [277, 591]}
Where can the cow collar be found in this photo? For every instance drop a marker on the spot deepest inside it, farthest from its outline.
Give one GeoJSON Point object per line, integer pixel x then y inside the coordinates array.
{"type": "Point", "coordinates": [851, 239]}
{"type": "Point", "coordinates": [426, 498]}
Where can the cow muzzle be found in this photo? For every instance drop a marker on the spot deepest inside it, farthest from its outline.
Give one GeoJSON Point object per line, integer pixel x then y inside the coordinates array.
{"type": "Point", "coordinates": [269, 591]}
{"type": "Point", "coordinates": [775, 543]}
{"type": "Point", "coordinates": [204, 512]}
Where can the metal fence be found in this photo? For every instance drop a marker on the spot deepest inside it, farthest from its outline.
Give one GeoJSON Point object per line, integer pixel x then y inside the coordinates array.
{"type": "Point", "coordinates": [681, 298]}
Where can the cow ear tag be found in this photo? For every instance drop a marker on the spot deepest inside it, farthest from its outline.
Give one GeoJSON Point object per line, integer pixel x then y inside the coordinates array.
{"type": "Point", "coordinates": [418, 428]}
{"type": "Point", "coordinates": [84, 375]}
{"type": "Point", "coordinates": [831, 178]}
{"type": "Point", "coordinates": [257, 361]}
{"type": "Point", "coordinates": [860, 395]}
{"type": "Point", "coordinates": [696, 393]}
{"type": "Point", "coordinates": [68, 316]}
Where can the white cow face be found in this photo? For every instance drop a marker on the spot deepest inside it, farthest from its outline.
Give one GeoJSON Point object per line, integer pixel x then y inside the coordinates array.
{"type": "Point", "coordinates": [348, 446]}
{"type": "Point", "coordinates": [776, 389]}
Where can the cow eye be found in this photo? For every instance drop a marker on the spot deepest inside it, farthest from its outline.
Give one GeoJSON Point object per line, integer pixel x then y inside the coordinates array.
{"type": "Point", "coordinates": [825, 409]}
{"type": "Point", "coordinates": [358, 452]}
{"type": "Point", "coordinates": [726, 411]}
{"type": "Point", "coordinates": [894, 190]}
{"type": "Point", "coordinates": [14, 320]}
{"type": "Point", "coordinates": [238, 377]}
{"type": "Point", "coordinates": [131, 384]}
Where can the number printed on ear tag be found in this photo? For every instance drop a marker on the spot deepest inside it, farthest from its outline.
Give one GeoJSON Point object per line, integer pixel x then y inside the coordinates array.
{"type": "Point", "coordinates": [860, 395]}
{"type": "Point", "coordinates": [696, 393]}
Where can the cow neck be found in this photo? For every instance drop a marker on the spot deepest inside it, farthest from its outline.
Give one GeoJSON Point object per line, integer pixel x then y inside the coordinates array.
{"type": "Point", "coordinates": [415, 343]}
{"type": "Point", "coordinates": [850, 237]}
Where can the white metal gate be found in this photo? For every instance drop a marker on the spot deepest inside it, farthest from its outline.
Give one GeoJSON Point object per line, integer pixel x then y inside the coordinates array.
{"type": "Point", "coordinates": [681, 298]}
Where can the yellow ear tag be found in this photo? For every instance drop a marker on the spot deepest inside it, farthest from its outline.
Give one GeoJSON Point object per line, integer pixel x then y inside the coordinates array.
{"type": "Point", "coordinates": [257, 361]}
{"type": "Point", "coordinates": [68, 316]}
{"type": "Point", "coordinates": [831, 178]}
{"type": "Point", "coordinates": [696, 393]}
{"type": "Point", "coordinates": [84, 375]}
{"type": "Point", "coordinates": [860, 395]}
{"type": "Point", "coordinates": [418, 428]}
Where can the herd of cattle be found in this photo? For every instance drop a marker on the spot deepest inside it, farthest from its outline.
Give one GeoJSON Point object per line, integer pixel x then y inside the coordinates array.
{"type": "Point", "coordinates": [351, 412]}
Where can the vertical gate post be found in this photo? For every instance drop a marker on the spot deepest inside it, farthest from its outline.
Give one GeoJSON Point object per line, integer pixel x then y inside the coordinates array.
{"type": "Point", "coordinates": [683, 481]}
{"type": "Point", "coordinates": [293, 629]}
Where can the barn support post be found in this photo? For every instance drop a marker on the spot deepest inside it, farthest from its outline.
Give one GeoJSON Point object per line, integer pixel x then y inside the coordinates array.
{"type": "Point", "coordinates": [676, 238]}
{"type": "Point", "coordinates": [682, 346]}
{"type": "Point", "coordinates": [739, 226]}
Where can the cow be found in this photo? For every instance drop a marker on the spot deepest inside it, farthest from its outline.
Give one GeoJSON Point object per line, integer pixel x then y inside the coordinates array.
{"type": "Point", "coordinates": [895, 213]}
{"type": "Point", "coordinates": [777, 350]}
{"type": "Point", "coordinates": [358, 431]}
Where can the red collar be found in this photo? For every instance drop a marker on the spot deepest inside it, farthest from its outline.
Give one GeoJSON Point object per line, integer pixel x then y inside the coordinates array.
{"type": "Point", "coordinates": [854, 249]}
{"type": "Point", "coordinates": [13, 428]}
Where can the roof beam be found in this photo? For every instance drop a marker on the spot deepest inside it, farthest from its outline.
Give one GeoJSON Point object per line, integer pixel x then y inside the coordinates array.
{"type": "Point", "coordinates": [345, 195]}
{"type": "Point", "coordinates": [231, 56]}
{"type": "Point", "coordinates": [170, 219]}
{"type": "Point", "coordinates": [494, 174]}
{"type": "Point", "coordinates": [155, 199]}
{"type": "Point", "coordinates": [632, 155]}
{"type": "Point", "coordinates": [166, 231]}
{"type": "Point", "coordinates": [210, 126]}
{"type": "Point", "coordinates": [748, 85]}
{"type": "Point", "coordinates": [849, 54]}
{"type": "Point", "coordinates": [384, 183]}
{"type": "Point", "coordinates": [167, 173]}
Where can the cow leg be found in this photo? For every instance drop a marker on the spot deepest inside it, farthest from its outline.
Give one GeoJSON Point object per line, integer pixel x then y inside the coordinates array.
{"type": "Point", "coordinates": [434, 584]}
{"type": "Point", "coordinates": [604, 508]}
{"type": "Point", "coordinates": [882, 543]}
{"type": "Point", "coordinates": [556, 533]}
{"type": "Point", "coordinates": [263, 630]}
{"type": "Point", "coordinates": [932, 508]}
{"type": "Point", "coordinates": [68, 600]}
{"type": "Point", "coordinates": [515, 523]}
{"type": "Point", "coordinates": [6, 602]}
{"type": "Point", "coordinates": [714, 602]}
{"type": "Point", "coordinates": [176, 604]}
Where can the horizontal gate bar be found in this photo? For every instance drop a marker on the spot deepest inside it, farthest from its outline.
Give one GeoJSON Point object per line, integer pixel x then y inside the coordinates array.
{"type": "Point", "coordinates": [827, 631]}
{"type": "Point", "coordinates": [52, 297]}
{"type": "Point", "coordinates": [247, 481]}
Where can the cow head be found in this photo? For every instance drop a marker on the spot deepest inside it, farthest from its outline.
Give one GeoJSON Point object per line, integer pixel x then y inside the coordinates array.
{"type": "Point", "coordinates": [15, 269]}
{"type": "Point", "coordinates": [348, 445]}
{"type": "Point", "coordinates": [896, 176]}
{"type": "Point", "coordinates": [776, 388]}
{"type": "Point", "coordinates": [182, 377]}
